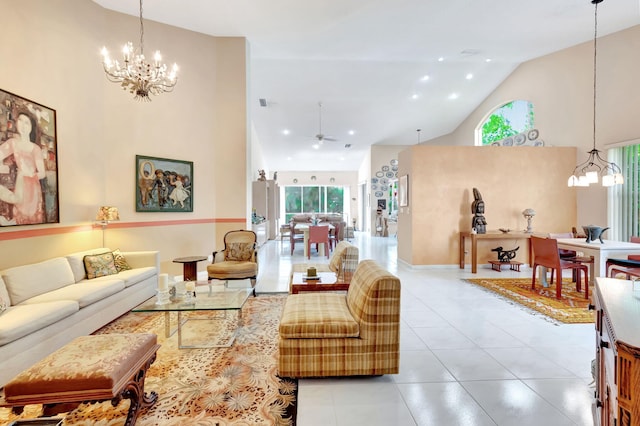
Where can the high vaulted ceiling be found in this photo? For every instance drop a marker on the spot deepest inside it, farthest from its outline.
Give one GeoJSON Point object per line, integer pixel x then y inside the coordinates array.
{"type": "Point", "coordinates": [365, 61]}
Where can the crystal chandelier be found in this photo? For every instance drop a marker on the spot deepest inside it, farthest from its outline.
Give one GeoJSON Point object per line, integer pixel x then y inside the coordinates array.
{"type": "Point", "coordinates": [136, 74]}
{"type": "Point", "coordinates": [587, 172]}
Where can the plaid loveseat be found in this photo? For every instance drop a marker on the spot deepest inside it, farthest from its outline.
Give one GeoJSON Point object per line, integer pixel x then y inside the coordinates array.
{"type": "Point", "coordinates": [343, 262]}
{"type": "Point", "coordinates": [337, 334]}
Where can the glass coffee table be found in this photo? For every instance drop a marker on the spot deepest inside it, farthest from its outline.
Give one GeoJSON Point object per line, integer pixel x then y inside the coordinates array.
{"type": "Point", "coordinates": [208, 298]}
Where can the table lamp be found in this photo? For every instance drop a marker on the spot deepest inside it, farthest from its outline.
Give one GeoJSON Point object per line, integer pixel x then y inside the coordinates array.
{"type": "Point", "coordinates": [105, 215]}
{"type": "Point", "coordinates": [528, 214]}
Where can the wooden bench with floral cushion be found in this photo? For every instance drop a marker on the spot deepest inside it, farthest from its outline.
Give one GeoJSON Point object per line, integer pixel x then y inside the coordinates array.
{"type": "Point", "coordinates": [88, 369]}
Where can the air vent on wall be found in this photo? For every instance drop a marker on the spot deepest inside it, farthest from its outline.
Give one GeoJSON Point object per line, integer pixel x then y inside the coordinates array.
{"type": "Point", "coordinates": [263, 102]}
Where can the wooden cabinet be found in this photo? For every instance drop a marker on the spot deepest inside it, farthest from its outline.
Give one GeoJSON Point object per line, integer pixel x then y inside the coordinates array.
{"type": "Point", "coordinates": [617, 353]}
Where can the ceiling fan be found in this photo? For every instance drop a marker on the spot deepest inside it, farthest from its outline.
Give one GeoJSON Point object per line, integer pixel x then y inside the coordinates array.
{"type": "Point", "coordinates": [321, 137]}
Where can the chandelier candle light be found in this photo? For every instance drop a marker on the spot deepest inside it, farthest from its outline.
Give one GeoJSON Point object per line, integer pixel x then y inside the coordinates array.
{"type": "Point", "coordinates": [136, 74]}
{"type": "Point", "coordinates": [588, 171]}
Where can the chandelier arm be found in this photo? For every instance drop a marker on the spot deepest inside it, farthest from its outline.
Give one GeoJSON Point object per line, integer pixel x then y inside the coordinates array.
{"type": "Point", "coordinates": [595, 62]}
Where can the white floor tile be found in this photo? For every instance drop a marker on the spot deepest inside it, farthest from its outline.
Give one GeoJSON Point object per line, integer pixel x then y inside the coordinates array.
{"type": "Point", "coordinates": [467, 357]}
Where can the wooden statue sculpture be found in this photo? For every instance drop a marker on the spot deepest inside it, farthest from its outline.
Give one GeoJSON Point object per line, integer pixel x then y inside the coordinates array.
{"type": "Point", "coordinates": [478, 223]}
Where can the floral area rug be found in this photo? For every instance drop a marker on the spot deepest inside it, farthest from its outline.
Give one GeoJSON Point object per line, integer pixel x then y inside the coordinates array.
{"type": "Point", "coordinates": [572, 308]}
{"type": "Point", "coordinates": [206, 387]}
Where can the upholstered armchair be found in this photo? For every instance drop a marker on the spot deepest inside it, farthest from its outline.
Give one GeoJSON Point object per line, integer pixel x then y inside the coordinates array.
{"type": "Point", "coordinates": [238, 260]}
{"type": "Point", "coordinates": [336, 334]}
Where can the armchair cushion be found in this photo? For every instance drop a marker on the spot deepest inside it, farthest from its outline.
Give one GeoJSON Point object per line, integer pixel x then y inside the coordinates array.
{"type": "Point", "coordinates": [232, 269]}
{"type": "Point", "coordinates": [242, 252]}
{"type": "Point", "coordinates": [317, 315]}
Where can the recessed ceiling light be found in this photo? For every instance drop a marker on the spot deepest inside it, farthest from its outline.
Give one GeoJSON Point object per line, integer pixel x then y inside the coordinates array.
{"type": "Point", "coordinates": [352, 132]}
{"type": "Point", "coordinates": [425, 77]}
{"type": "Point", "coordinates": [488, 60]}
{"type": "Point", "coordinates": [469, 76]}
{"type": "Point", "coordinates": [415, 96]}
{"type": "Point", "coordinates": [289, 158]}
{"type": "Point", "coordinates": [441, 59]}
{"type": "Point", "coordinates": [286, 132]}
{"type": "Point", "coordinates": [453, 96]}
{"type": "Point", "coordinates": [316, 146]}
{"type": "Point", "coordinates": [341, 158]}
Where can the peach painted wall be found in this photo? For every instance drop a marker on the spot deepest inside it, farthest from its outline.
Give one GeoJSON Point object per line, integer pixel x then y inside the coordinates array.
{"type": "Point", "coordinates": [51, 55]}
{"type": "Point", "coordinates": [441, 180]}
{"type": "Point", "coordinates": [560, 85]}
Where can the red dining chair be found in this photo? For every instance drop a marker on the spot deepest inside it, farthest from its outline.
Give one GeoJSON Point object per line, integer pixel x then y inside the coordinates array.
{"type": "Point", "coordinates": [634, 239]}
{"type": "Point", "coordinates": [294, 235]}
{"type": "Point", "coordinates": [545, 253]}
{"type": "Point", "coordinates": [571, 255]}
{"type": "Point", "coordinates": [318, 235]}
{"type": "Point", "coordinates": [336, 235]}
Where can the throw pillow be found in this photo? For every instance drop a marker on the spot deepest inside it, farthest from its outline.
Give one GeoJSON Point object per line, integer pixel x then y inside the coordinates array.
{"type": "Point", "coordinates": [4, 304]}
{"type": "Point", "coordinates": [120, 261]}
{"type": "Point", "coordinates": [99, 265]}
{"type": "Point", "coordinates": [242, 252]}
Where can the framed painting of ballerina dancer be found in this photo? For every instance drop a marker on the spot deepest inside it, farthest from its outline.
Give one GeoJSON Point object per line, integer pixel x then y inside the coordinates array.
{"type": "Point", "coordinates": [163, 185]}
{"type": "Point", "coordinates": [28, 162]}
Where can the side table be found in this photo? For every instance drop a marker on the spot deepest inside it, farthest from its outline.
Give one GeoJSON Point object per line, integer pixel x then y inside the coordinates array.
{"type": "Point", "coordinates": [190, 266]}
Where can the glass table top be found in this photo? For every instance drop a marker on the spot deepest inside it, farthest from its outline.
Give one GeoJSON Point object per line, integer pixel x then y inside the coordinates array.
{"type": "Point", "coordinates": [216, 299]}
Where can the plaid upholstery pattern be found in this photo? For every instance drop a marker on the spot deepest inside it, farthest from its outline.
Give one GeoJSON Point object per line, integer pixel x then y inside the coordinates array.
{"type": "Point", "coordinates": [317, 315]}
{"type": "Point", "coordinates": [343, 262]}
{"type": "Point", "coordinates": [373, 301]}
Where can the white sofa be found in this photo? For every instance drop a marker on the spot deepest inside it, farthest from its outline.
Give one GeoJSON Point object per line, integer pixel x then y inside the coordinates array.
{"type": "Point", "coordinates": [52, 302]}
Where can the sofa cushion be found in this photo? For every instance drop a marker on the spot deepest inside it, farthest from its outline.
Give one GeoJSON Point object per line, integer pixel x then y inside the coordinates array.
{"type": "Point", "coordinates": [120, 261]}
{"type": "Point", "coordinates": [25, 282]}
{"type": "Point", "coordinates": [76, 261]}
{"type": "Point", "coordinates": [84, 293]}
{"type": "Point", "coordinates": [99, 265]}
{"type": "Point", "coordinates": [5, 300]}
{"type": "Point", "coordinates": [130, 277]}
{"type": "Point", "coordinates": [317, 315]}
{"type": "Point", "coordinates": [19, 321]}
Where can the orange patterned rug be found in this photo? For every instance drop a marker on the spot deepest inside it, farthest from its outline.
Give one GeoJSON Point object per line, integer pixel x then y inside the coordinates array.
{"type": "Point", "coordinates": [572, 308]}
{"type": "Point", "coordinates": [205, 387]}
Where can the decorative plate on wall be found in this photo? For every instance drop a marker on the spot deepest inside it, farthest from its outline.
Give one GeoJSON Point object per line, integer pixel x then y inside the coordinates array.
{"type": "Point", "coordinates": [384, 181]}
{"type": "Point", "coordinates": [385, 168]}
{"type": "Point", "coordinates": [533, 134]}
{"type": "Point", "coordinates": [394, 168]}
{"type": "Point", "coordinates": [374, 187]}
{"type": "Point", "coordinates": [394, 162]}
{"type": "Point", "coordinates": [389, 175]}
{"type": "Point", "coordinates": [379, 174]}
{"type": "Point", "coordinates": [379, 194]}
{"type": "Point", "coordinates": [520, 138]}
{"type": "Point", "coordinates": [507, 141]}
{"type": "Point", "coordinates": [374, 180]}
{"type": "Point", "coordinates": [384, 187]}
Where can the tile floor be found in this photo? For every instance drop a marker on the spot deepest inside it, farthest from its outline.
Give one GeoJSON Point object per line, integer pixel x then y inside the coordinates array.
{"type": "Point", "coordinates": [467, 357]}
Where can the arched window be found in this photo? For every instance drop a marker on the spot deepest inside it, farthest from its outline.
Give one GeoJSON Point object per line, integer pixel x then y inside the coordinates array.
{"type": "Point", "coordinates": [507, 120]}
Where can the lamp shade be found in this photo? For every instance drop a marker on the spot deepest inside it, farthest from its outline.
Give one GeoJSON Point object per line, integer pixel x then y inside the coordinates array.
{"type": "Point", "coordinates": [107, 214]}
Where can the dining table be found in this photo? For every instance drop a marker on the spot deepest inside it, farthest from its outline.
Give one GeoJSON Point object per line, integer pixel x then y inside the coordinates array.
{"type": "Point", "coordinates": [601, 251]}
{"type": "Point", "coordinates": [305, 228]}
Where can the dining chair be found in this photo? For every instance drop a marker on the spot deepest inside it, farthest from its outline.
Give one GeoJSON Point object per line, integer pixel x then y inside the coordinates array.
{"type": "Point", "coordinates": [545, 253]}
{"type": "Point", "coordinates": [570, 255]}
{"type": "Point", "coordinates": [336, 235]}
{"type": "Point", "coordinates": [318, 235]}
{"type": "Point", "coordinates": [294, 235]}
{"type": "Point", "coordinates": [634, 239]}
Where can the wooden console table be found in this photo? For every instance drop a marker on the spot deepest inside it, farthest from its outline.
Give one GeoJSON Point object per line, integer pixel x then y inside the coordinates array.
{"type": "Point", "coordinates": [488, 236]}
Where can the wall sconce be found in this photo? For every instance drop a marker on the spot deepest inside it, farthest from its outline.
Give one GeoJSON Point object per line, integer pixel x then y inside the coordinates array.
{"type": "Point", "coordinates": [105, 215]}
{"type": "Point", "coordinates": [313, 178]}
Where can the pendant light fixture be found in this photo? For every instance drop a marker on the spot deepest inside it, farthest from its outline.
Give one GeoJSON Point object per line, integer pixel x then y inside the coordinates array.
{"type": "Point", "coordinates": [588, 172]}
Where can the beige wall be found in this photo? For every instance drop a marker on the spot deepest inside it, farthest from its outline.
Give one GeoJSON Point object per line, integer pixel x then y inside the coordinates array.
{"type": "Point", "coordinates": [51, 55]}
{"type": "Point", "coordinates": [560, 85]}
{"type": "Point", "coordinates": [441, 182]}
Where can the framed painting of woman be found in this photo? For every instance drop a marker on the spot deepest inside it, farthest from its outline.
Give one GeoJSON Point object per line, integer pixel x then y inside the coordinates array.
{"type": "Point", "coordinates": [28, 162]}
